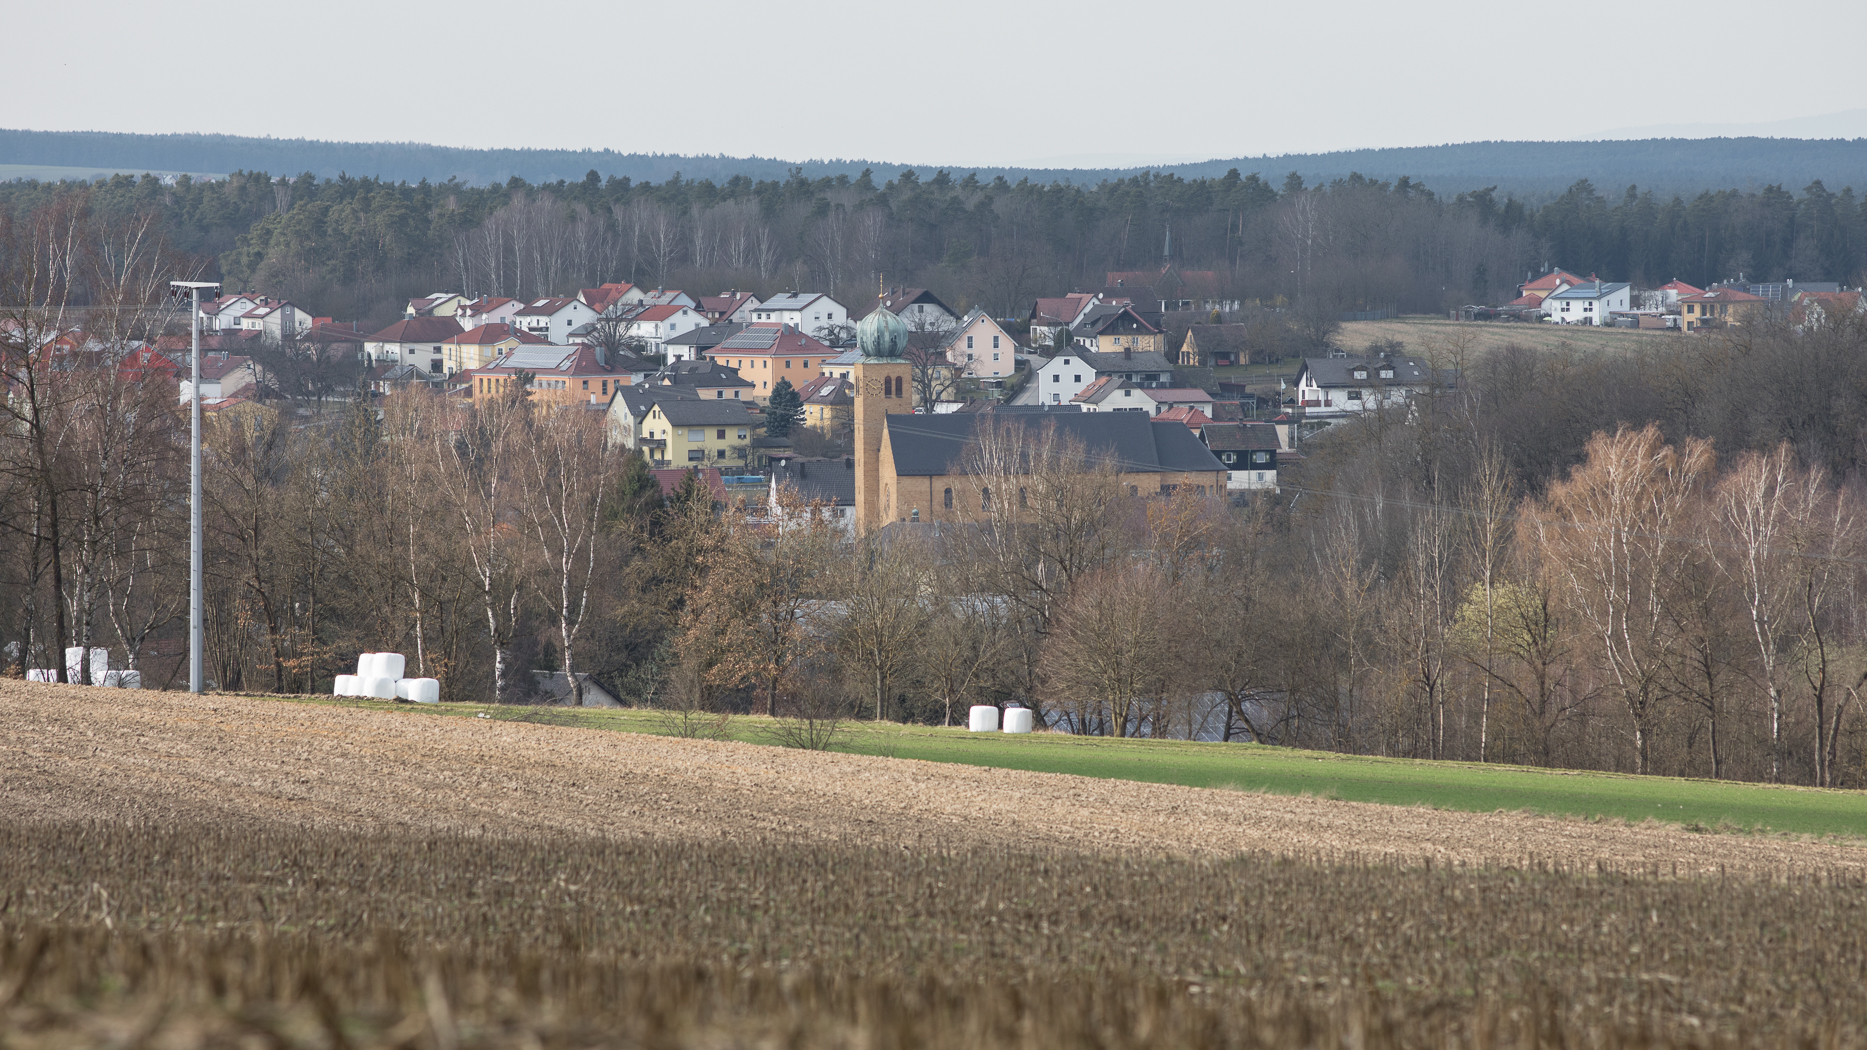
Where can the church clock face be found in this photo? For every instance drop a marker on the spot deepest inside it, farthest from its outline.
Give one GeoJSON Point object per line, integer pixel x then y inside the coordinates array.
{"type": "Point", "coordinates": [872, 386]}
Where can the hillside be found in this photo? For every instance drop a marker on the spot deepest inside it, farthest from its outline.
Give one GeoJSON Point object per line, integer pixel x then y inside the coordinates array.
{"type": "Point", "coordinates": [1532, 170]}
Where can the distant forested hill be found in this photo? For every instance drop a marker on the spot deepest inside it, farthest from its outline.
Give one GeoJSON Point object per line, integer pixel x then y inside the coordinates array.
{"type": "Point", "coordinates": [1533, 171]}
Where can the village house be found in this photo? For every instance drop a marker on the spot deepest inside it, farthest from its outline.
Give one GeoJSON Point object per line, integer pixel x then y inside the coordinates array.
{"type": "Point", "coordinates": [765, 352]}
{"type": "Point", "coordinates": [920, 309]}
{"type": "Point", "coordinates": [1330, 387]}
{"type": "Point", "coordinates": [1719, 308]}
{"type": "Point", "coordinates": [610, 299]}
{"type": "Point", "coordinates": [482, 346]}
{"type": "Point", "coordinates": [1813, 311]}
{"type": "Point", "coordinates": [1216, 346]}
{"type": "Point", "coordinates": [553, 319]}
{"type": "Point", "coordinates": [418, 341]}
{"type": "Point", "coordinates": [1248, 451]}
{"type": "Point", "coordinates": [439, 304]}
{"type": "Point", "coordinates": [654, 325]}
{"type": "Point", "coordinates": [222, 376]}
{"type": "Point", "coordinates": [670, 297]}
{"type": "Point", "coordinates": [981, 349]}
{"type": "Point", "coordinates": [735, 307]}
{"type": "Point", "coordinates": [829, 404]}
{"type": "Point", "coordinates": [223, 314]}
{"type": "Point", "coordinates": [1050, 316]}
{"type": "Point", "coordinates": [1587, 303]}
{"type": "Point", "coordinates": [1110, 394]}
{"type": "Point", "coordinates": [707, 380]}
{"type": "Point", "coordinates": [560, 375]}
{"type": "Point", "coordinates": [629, 407]}
{"type": "Point", "coordinates": [488, 309]}
{"type": "Point", "coordinates": [1119, 329]}
{"type": "Point", "coordinates": [827, 485]}
{"type": "Point", "coordinates": [1171, 288]}
{"type": "Point", "coordinates": [807, 312]}
{"type": "Point", "coordinates": [276, 320]}
{"type": "Point", "coordinates": [1058, 380]}
{"type": "Point", "coordinates": [679, 432]}
{"type": "Point", "coordinates": [693, 346]}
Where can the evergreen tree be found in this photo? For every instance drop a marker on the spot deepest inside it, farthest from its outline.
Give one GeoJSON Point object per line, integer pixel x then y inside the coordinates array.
{"type": "Point", "coordinates": [638, 498]}
{"type": "Point", "coordinates": [785, 411]}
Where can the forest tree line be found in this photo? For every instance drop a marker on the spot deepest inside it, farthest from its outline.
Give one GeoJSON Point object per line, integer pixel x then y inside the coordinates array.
{"type": "Point", "coordinates": [357, 248]}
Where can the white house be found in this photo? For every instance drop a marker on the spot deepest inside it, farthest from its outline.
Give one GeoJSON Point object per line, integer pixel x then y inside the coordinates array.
{"type": "Point", "coordinates": [808, 312]}
{"type": "Point", "coordinates": [487, 309]}
{"type": "Point", "coordinates": [1587, 303]}
{"type": "Point", "coordinates": [553, 320]}
{"type": "Point", "coordinates": [418, 341]}
{"type": "Point", "coordinates": [276, 319]}
{"type": "Point", "coordinates": [1058, 380]}
{"type": "Point", "coordinates": [670, 297]}
{"type": "Point", "coordinates": [735, 307]}
{"type": "Point", "coordinates": [224, 314]}
{"type": "Point", "coordinates": [980, 348]}
{"type": "Point", "coordinates": [1109, 394]}
{"type": "Point", "coordinates": [655, 325]}
{"type": "Point", "coordinates": [1330, 387]}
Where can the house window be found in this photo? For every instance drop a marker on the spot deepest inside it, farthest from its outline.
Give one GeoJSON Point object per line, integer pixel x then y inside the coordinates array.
{"type": "Point", "coordinates": [721, 436]}
{"type": "Point", "coordinates": [948, 496]}
{"type": "Point", "coordinates": [719, 454]}
{"type": "Point", "coordinates": [1056, 378]}
{"type": "Point", "coordinates": [1022, 501]}
{"type": "Point", "coordinates": [1260, 457]}
{"type": "Point", "coordinates": [721, 394]}
{"type": "Point", "coordinates": [994, 345]}
{"type": "Point", "coordinates": [1076, 379]}
{"type": "Point", "coordinates": [994, 356]}
{"type": "Point", "coordinates": [1354, 395]}
{"type": "Point", "coordinates": [586, 384]}
{"type": "Point", "coordinates": [969, 342]}
{"type": "Point", "coordinates": [696, 455]}
{"type": "Point", "coordinates": [1229, 457]}
{"type": "Point", "coordinates": [787, 363]}
{"type": "Point", "coordinates": [742, 433]}
{"type": "Point", "coordinates": [985, 499]}
{"type": "Point", "coordinates": [1134, 490]}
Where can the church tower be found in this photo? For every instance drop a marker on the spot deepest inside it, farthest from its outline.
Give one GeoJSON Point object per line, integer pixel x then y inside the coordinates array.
{"type": "Point", "coordinates": [881, 380]}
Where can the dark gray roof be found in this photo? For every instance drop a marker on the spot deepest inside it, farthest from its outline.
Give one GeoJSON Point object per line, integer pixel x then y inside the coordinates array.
{"type": "Point", "coordinates": [706, 336]}
{"type": "Point", "coordinates": [1334, 371]}
{"type": "Point", "coordinates": [701, 413]}
{"type": "Point", "coordinates": [1141, 361]}
{"type": "Point", "coordinates": [933, 445]}
{"type": "Point", "coordinates": [698, 373]}
{"type": "Point", "coordinates": [1242, 436]}
{"type": "Point", "coordinates": [762, 337]}
{"type": "Point", "coordinates": [1589, 290]}
{"type": "Point", "coordinates": [639, 399]}
{"type": "Point", "coordinates": [833, 481]}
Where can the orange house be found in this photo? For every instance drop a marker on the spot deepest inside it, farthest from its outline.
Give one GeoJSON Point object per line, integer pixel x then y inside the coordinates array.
{"type": "Point", "coordinates": [765, 352]}
{"type": "Point", "coordinates": [560, 375]}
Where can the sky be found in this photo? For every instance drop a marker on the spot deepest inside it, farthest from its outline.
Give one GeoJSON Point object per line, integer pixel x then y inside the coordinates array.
{"type": "Point", "coordinates": [966, 82]}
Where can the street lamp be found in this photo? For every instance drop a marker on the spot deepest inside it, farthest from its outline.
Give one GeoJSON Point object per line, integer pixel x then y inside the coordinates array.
{"type": "Point", "coordinates": [193, 289]}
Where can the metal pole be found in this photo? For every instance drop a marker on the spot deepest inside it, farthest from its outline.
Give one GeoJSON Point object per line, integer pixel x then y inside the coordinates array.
{"type": "Point", "coordinates": [194, 501]}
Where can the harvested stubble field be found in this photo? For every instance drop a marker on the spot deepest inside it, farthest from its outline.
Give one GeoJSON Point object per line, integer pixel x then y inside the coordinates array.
{"type": "Point", "coordinates": [219, 871]}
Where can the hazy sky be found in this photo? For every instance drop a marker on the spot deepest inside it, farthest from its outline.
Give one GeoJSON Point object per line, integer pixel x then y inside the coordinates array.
{"type": "Point", "coordinates": [980, 82]}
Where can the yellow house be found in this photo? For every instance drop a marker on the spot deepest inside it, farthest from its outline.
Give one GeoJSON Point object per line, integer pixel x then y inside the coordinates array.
{"type": "Point", "coordinates": [481, 346]}
{"type": "Point", "coordinates": [682, 433]}
{"type": "Point", "coordinates": [1122, 330]}
{"type": "Point", "coordinates": [1718, 308]}
{"type": "Point", "coordinates": [829, 403]}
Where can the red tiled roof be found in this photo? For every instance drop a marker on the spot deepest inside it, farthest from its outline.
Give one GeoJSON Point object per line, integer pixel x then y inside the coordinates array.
{"type": "Point", "coordinates": [1723, 295]}
{"type": "Point", "coordinates": [1187, 414]}
{"type": "Point", "coordinates": [1550, 280]}
{"type": "Point", "coordinates": [488, 334]}
{"type": "Point", "coordinates": [1676, 285]}
{"type": "Point", "coordinates": [670, 480]}
{"type": "Point", "coordinates": [656, 313]}
{"type": "Point", "coordinates": [1526, 299]}
{"type": "Point", "coordinates": [545, 307]}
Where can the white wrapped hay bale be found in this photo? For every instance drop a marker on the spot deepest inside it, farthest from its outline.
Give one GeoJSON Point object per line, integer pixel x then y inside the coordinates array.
{"type": "Point", "coordinates": [74, 664]}
{"type": "Point", "coordinates": [346, 685]}
{"type": "Point", "coordinates": [391, 666]}
{"type": "Point", "coordinates": [424, 690]}
{"type": "Point", "coordinates": [129, 679]}
{"type": "Point", "coordinates": [1018, 720]}
{"type": "Point", "coordinates": [379, 688]}
{"type": "Point", "coordinates": [983, 719]}
{"type": "Point", "coordinates": [401, 688]}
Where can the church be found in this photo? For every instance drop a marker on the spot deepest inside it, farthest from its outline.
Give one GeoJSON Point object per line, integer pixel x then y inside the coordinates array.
{"type": "Point", "coordinates": [915, 468]}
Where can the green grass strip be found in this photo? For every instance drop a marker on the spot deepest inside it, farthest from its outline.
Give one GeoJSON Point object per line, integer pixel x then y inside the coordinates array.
{"type": "Point", "coordinates": [1707, 805]}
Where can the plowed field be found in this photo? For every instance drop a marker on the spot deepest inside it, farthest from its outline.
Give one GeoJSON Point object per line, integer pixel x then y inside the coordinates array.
{"type": "Point", "coordinates": [68, 753]}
